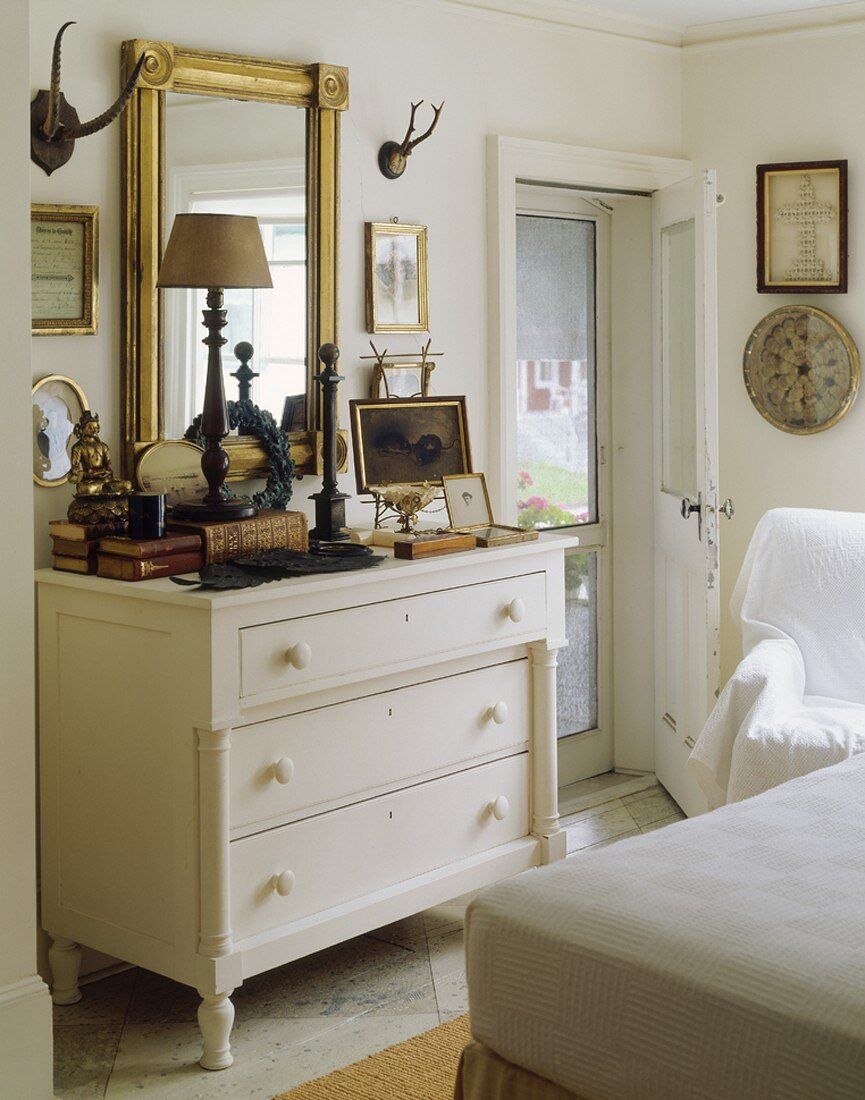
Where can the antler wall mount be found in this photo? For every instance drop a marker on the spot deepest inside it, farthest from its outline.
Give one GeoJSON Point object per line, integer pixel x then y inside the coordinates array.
{"type": "Point", "coordinates": [393, 155]}
{"type": "Point", "coordinates": [54, 123]}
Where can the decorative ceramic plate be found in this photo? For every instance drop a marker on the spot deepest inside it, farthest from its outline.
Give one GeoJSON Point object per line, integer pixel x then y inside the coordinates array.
{"type": "Point", "coordinates": [801, 369]}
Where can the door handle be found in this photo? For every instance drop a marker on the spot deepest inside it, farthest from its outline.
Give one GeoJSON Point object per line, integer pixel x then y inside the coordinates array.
{"type": "Point", "coordinates": [688, 508]}
{"type": "Point", "coordinates": [728, 509]}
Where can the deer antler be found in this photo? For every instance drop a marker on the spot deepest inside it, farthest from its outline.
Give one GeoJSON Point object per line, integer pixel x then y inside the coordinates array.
{"type": "Point", "coordinates": [392, 156]}
{"type": "Point", "coordinates": [52, 118]}
{"type": "Point", "coordinates": [85, 129]}
{"type": "Point", "coordinates": [407, 145]}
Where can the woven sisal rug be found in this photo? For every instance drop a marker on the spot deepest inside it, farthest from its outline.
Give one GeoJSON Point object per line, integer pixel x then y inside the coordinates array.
{"type": "Point", "coordinates": [422, 1068]}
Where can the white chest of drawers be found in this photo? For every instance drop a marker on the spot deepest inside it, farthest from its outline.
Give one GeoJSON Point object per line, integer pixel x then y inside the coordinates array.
{"type": "Point", "coordinates": [233, 780]}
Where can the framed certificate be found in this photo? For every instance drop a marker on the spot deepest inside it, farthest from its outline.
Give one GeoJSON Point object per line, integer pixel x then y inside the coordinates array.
{"type": "Point", "coordinates": [64, 269]}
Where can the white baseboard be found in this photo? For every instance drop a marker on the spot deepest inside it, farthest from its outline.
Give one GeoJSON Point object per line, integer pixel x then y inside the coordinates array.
{"type": "Point", "coordinates": [26, 1046]}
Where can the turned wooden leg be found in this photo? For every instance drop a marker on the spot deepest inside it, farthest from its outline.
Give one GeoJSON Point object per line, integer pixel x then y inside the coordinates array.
{"type": "Point", "coordinates": [64, 957]}
{"type": "Point", "coordinates": [215, 1018]}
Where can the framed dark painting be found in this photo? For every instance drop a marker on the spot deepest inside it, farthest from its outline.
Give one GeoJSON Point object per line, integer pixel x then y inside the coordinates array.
{"type": "Point", "coordinates": [802, 227]}
{"type": "Point", "coordinates": [407, 442]}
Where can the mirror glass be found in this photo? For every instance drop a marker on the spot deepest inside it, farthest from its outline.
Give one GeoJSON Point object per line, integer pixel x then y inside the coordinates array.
{"type": "Point", "coordinates": [235, 157]}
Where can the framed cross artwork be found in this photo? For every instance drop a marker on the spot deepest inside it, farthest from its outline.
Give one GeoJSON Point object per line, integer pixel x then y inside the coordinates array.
{"type": "Point", "coordinates": [802, 227]}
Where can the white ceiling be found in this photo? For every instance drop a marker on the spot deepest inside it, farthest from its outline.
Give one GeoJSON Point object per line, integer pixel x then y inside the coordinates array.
{"type": "Point", "coordinates": [680, 14]}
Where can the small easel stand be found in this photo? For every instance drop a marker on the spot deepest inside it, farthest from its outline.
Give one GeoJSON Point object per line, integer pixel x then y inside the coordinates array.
{"type": "Point", "coordinates": [379, 378]}
{"type": "Point", "coordinates": [329, 501]}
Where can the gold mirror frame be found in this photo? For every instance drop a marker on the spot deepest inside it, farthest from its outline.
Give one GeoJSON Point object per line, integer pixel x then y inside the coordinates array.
{"type": "Point", "coordinates": [323, 91]}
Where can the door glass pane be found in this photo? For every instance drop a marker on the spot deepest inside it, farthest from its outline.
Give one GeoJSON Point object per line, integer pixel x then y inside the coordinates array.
{"type": "Point", "coordinates": [555, 371]}
{"type": "Point", "coordinates": [678, 361]}
{"type": "Point", "coordinates": [577, 682]}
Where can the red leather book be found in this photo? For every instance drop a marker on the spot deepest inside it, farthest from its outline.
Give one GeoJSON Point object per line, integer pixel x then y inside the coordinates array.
{"type": "Point", "coordinates": [143, 569]}
{"type": "Point", "coordinates": [150, 548]}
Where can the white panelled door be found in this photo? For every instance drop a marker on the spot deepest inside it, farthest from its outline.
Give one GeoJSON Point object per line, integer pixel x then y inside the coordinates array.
{"type": "Point", "coordinates": [686, 493]}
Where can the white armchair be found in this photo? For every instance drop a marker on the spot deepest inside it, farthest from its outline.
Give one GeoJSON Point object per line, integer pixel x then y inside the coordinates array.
{"type": "Point", "coordinates": [796, 702]}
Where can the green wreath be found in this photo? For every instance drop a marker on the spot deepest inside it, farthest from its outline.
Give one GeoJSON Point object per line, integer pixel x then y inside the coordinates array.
{"type": "Point", "coordinates": [249, 419]}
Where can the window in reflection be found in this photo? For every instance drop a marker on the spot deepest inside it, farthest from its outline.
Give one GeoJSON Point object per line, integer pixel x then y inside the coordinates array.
{"type": "Point", "coordinates": [230, 157]}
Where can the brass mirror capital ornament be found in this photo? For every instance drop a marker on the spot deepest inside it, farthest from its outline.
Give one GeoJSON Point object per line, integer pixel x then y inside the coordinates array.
{"type": "Point", "coordinates": [801, 369]}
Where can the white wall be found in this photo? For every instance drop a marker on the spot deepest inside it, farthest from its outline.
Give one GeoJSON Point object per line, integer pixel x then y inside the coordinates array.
{"type": "Point", "coordinates": [791, 99]}
{"type": "Point", "coordinates": [498, 74]}
{"type": "Point", "coordinates": [25, 1007]}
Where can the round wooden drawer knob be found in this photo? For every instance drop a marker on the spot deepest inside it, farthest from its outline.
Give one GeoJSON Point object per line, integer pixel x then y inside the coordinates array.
{"type": "Point", "coordinates": [516, 610]}
{"type": "Point", "coordinates": [499, 808]}
{"type": "Point", "coordinates": [498, 713]}
{"type": "Point", "coordinates": [284, 883]}
{"type": "Point", "coordinates": [283, 770]}
{"type": "Point", "coordinates": [299, 655]}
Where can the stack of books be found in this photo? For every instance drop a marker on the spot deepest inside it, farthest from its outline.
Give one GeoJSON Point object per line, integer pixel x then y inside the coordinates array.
{"type": "Point", "coordinates": [75, 544]}
{"type": "Point", "coordinates": [124, 559]}
{"type": "Point", "coordinates": [187, 547]}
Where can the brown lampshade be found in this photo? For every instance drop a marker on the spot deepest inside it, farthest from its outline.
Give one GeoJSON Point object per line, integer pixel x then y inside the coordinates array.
{"type": "Point", "coordinates": [214, 250]}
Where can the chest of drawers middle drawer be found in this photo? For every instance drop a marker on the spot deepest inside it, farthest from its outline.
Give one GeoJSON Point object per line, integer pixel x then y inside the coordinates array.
{"type": "Point", "coordinates": [283, 767]}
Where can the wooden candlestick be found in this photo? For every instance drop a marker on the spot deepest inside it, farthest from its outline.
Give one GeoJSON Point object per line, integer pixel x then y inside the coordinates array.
{"type": "Point", "coordinates": [329, 501]}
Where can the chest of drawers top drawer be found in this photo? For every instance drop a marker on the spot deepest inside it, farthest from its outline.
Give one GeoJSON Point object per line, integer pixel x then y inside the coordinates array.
{"type": "Point", "coordinates": [300, 654]}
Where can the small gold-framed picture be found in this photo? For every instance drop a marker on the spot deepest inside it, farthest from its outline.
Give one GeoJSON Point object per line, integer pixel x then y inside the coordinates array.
{"type": "Point", "coordinates": [405, 380]}
{"type": "Point", "coordinates": [469, 510]}
{"type": "Point", "coordinates": [58, 404]}
{"type": "Point", "coordinates": [397, 277]}
{"type": "Point", "coordinates": [64, 269]}
{"type": "Point", "coordinates": [802, 227]}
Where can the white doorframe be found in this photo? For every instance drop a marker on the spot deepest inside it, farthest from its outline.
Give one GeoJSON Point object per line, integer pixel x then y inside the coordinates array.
{"type": "Point", "coordinates": [514, 161]}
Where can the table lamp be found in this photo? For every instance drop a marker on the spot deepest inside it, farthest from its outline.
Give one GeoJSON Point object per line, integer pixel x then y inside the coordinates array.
{"type": "Point", "coordinates": [214, 252]}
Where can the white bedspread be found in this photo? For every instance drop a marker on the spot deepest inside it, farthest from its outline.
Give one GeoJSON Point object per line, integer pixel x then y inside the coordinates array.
{"type": "Point", "coordinates": [721, 958]}
{"type": "Point", "coordinates": [797, 700]}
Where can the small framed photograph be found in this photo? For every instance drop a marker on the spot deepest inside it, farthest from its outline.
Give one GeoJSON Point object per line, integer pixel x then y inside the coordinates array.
{"type": "Point", "coordinates": [408, 442]}
{"type": "Point", "coordinates": [172, 467]}
{"type": "Point", "coordinates": [802, 227]}
{"type": "Point", "coordinates": [469, 510]}
{"type": "Point", "coordinates": [58, 404]}
{"type": "Point", "coordinates": [294, 413]}
{"type": "Point", "coordinates": [64, 269]}
{"type": "Point", "coordinates": [397, 282]}
{"type": "Point", "coordinates": [403, 380]}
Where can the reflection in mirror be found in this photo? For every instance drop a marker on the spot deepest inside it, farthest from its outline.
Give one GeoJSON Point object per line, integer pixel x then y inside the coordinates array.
{"type": "Point", "coordinates": [235, 157]}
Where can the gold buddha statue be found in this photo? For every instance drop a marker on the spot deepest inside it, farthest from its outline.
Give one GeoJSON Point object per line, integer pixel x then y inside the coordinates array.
{"type": "Point", "coordinates": [100, 497]}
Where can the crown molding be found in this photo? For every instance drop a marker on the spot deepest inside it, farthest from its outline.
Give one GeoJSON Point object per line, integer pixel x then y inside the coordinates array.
{"type": "Point", "coordinates": [590, 20]}
{"type": "Point", "coordinates": [834, 19]}
{"type": "Point", "coordinates": [566, 14]}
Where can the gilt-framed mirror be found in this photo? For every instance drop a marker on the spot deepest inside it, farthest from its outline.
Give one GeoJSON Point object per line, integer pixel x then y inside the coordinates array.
{"type": "Point", "coordinates": [222, 133]}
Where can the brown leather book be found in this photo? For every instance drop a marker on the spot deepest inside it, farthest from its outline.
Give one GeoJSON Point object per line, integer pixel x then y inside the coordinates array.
{"type": "Point", "coordinates": [150, 548]}
{"type": "Point", "coordinates": [271, 529]}
{"type": "Point", "coordinates": [80, 532]}
{"type": "Point", "coordinates": [67, 564]}
{"type": "Point", "coordinates": [425, 545]}
{"type": "Point", "coordinates": [72, 548]}
{"type": "Point", "coordinates": [145, 569]}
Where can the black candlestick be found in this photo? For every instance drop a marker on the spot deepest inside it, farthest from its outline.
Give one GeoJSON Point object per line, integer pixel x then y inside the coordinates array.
{"type": "Point", "coordinates": [329, 501]}
{"type": "Point", "coordinates": [244, 373]}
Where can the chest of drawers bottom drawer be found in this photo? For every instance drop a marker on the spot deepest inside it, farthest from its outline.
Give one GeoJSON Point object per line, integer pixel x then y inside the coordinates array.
{"type": "Point", "coordinates": [296, 870]}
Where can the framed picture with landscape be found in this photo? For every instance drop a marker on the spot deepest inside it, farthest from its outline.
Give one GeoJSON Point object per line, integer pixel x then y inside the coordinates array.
{"type": "Point", "coordinates": [408, 442]}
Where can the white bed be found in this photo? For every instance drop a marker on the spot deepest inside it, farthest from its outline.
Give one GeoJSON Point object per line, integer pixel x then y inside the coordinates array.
{"type": "Point", "coordinates": [721, 958]}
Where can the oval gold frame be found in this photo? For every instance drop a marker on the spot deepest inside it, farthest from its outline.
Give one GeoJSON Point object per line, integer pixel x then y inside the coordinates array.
{"type": "Point", "coordinates": [849, 347]}
{"type": "Point", "coordinates": [323, 91]}
{"type": "Point", "coordinates": [79, 393]}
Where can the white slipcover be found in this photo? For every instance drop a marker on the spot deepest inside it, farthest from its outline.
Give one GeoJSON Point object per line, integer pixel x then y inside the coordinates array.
{"type": "Point", "coordinates": [796, 702]}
